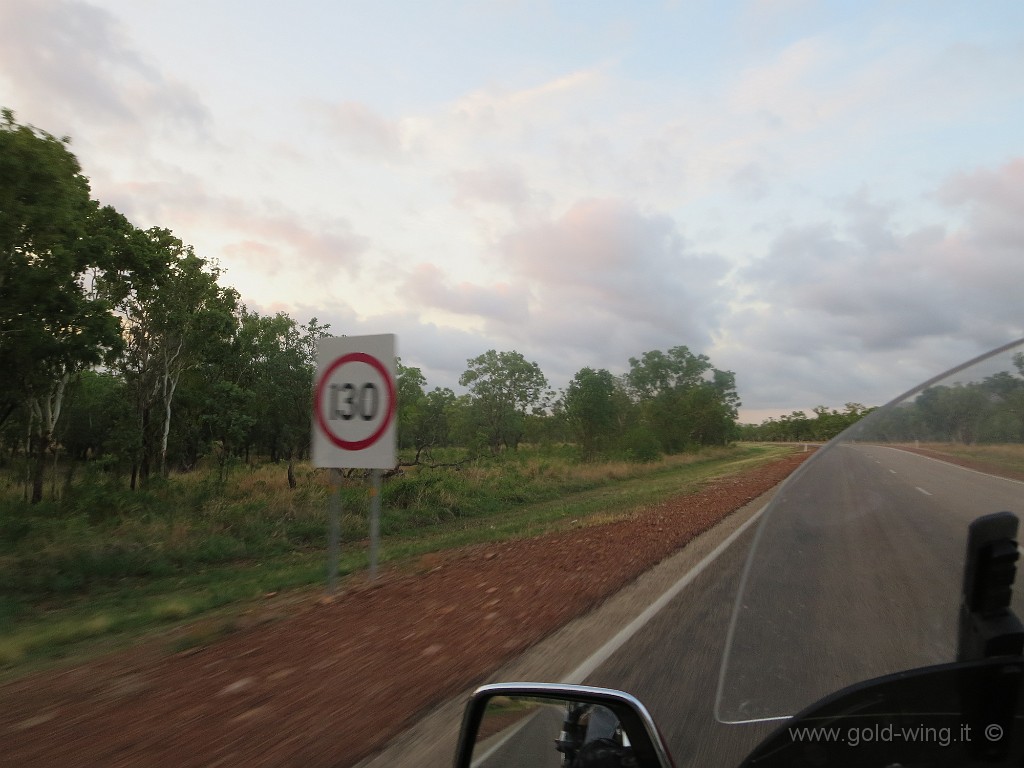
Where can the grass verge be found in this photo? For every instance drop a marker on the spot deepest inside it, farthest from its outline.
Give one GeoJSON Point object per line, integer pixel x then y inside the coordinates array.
{"type": "Point", "coordinates": [1003, 459]}
{"type": "Point", "coordinates": [210, 598]}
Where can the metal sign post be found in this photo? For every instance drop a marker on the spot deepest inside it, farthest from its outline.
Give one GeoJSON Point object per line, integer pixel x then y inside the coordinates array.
{"type": "Point", "coordinates": [354, 423]}
{"type": "Point", "coordinates": [374, 521]}
{"type": "Point", "coordinates": [334, 532]}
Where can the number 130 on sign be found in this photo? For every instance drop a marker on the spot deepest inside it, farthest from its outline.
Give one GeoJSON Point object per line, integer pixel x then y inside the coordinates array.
{"type": "Point", "coordinates": [362, 402]}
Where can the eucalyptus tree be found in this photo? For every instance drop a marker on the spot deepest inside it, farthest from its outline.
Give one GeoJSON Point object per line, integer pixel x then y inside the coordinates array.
{"type": "Point", "coordinates": [54, 240]}
{"type": "Point", "coordinates": [592, 409]}
{"type": "Point", "coordinates": [684, 400]}
{"type": "Point", "coordinates": [273, 358]}
{"type": "Point", "coordinates": [504, 386]}
{"type": "Point", "coordinates": [423, 417]}
{"type": "Point", "coordinates": [410, 382]}
{"type": "Point", "coordinates": [174, 320]}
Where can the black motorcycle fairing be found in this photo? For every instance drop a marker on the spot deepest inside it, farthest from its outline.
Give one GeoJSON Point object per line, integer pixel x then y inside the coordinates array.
{"type": "Point", "coordinates": [954, 714]}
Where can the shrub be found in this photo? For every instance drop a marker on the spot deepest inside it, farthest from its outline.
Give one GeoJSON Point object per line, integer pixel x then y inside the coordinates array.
{"type": "Point", "coordinates": [640, 445]}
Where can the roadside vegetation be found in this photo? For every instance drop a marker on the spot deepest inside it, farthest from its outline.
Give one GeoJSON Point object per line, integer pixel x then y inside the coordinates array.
{"type": "Point", "coordinates": [797, 426]}
{"type": "Point", "coordinates": [107, 563]}
{"type": "Point", "coordinates": [154, 431]}
{"type": "Point", "coordinates": [1006, 460]}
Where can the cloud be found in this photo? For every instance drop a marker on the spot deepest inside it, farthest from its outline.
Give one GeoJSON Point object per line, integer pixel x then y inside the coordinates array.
{"type": "Point", "coordinates": [847, 291]}
{"type": "Point", "coordinates": [363, 131]}
{"type": "Point", "coordinates": [483, 116]}
{"type": "Point", "coordinates": [603, 282]}
{"type": "Point", "coordinates": [595, 286]}
{"type": "Point", "coordinates": [263, 236]}
{"type": "Point", "coordinates": [751, 182]}
{"type": "Point", "coordinates": [983, 258]}
{"type": "Point", "coordinates": [847, 309]}
{"type": "Point", "coordinates": [441, 352]}
{"type": "Point", "coordinates": [258, 226]}
{"type": "Point", "coordinates": [608, 259]}
{"type": "Point", "coordinates": [506, 109]}
{"type": "Point", "coordinates": [256, 254]}
{"type": "Point", "coordinates": [503, 186]}
{"type": "Point", "coordinates": [428, 287]}
{"type": "Point", "coordinates": [65, 62]}
{"type": "Point", "coordinates": [324, 246]}
{"type": "Point", "coordinates": [767, 8]}
{"type": "Point", "coordinates": [994, 200]}
{"type": "Point", "coordinates": [553, 207]}
{"type": "Point", "coordinates": [760, 85]}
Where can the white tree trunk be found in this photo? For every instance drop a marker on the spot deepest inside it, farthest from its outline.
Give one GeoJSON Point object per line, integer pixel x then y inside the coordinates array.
{"type": "Point", "coordinates": [170, 384]}
{"type": "Point", "coordinates": [45, 410]}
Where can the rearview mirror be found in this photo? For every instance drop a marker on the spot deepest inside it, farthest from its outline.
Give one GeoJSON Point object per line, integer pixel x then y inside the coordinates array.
{"type": "Point", "coordinates": [562, 726]}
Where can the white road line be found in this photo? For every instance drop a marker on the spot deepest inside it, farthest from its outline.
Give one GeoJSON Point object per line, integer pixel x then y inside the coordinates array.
{"type": "Point", "coordinates": [922, 490]}
{"type": "Point", "coordinates": [603, 653]}
{"type": "Point", "coordinates": [512, 731]}
{"type": "Point", "coordinates": [892, 471]}
{"type": "Point", "coordinates": [951, 464]}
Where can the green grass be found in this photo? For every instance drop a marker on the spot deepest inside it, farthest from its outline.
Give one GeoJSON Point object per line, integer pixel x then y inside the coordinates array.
{"type": "Point", "coordinates": [77, 578]}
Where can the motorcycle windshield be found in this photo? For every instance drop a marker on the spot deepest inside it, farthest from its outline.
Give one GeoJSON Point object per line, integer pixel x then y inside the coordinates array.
{"type": "Point", "coordinates": [856, 569]}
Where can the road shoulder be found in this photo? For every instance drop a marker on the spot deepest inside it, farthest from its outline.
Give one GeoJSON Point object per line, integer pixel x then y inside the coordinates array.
{"type": "Point", "coordinates": [431, 741]}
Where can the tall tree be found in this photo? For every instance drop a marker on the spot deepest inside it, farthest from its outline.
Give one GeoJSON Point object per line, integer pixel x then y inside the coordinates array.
{"type": "Point", "coordinates": [271, 357]}
{"type": "Point", "coordinates": [53, 324]}
{"type": "Point", "coordinates": [592, 410]}
{"type": "Point", "coordinates": [684, 400]}
{"type": "Point", "coordinates": [411, 399]}
{"type": "Point", "coordinates": [504, 386]}
{"type": "Point", "coordinates": [656, 371]}
{"type": "Point", "coordinates": [174, 320]}
{"type": "Point", "coordinates": [422, 415]}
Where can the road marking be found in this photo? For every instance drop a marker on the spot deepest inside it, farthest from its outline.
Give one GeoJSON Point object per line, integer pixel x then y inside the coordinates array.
{"type": "Point", "coordinates": [922, 490]}
{"type": "Point", "coordinates": [512, 731]}
{"type": "Point", "coordinates": [892, 471]}
{"type": "Point", "coordinates": [951, 464]}
{"type": "Point", "coordinates": [603, 653]}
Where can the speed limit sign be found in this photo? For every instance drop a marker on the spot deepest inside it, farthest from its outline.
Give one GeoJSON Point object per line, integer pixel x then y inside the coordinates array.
{"type": "Point", "coordinates": [354, 402]}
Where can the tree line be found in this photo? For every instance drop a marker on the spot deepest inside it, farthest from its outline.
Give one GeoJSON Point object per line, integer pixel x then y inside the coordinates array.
{"type": "Point", "coordinates": [986, 411]}
{"type": "Point", "coordinates": [667, 402]}
{"type": "Point", "coordinates": [797, 426]}
{"type": "Point", "coordinates": [120, 346]}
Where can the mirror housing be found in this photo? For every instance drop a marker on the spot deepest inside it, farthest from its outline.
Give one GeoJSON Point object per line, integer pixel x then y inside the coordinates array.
{"type": "Point", "coordinates": [497, 717]}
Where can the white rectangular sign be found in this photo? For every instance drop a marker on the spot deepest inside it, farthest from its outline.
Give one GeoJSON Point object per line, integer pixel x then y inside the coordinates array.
{"type": "Point", "coordinates": [355, 402]}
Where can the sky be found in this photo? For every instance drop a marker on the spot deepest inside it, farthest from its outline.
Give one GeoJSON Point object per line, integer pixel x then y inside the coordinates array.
{"type": "Point", "coordinates": [825, 198]}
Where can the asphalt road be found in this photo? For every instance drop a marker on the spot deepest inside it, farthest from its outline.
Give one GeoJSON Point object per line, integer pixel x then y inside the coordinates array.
{"type": "Point", "coordinates": [672, 666]}
{"type": "Point", "coordinates": [858, 574]}
{"type": "Point", "coordinates": [529, 742]}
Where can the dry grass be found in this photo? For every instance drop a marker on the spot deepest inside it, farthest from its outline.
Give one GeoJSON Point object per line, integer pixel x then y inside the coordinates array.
{"type": "Point", "coordinates": [196, 543]}
{"type": "Point", "coordinates": [1003, 458]}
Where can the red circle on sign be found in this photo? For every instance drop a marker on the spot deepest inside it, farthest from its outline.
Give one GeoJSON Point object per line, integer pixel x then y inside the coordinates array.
{"type": "Point", "coordinates": [355, 357]}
